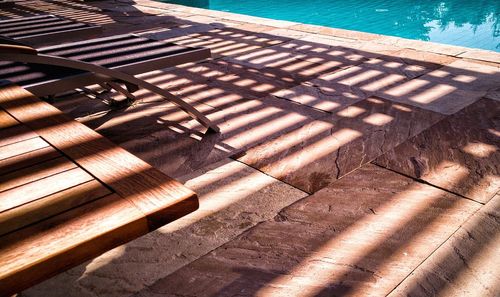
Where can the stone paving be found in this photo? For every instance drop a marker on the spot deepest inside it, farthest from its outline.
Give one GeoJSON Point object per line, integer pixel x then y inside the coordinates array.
{"type": "Point", "coordinates": [348, 163]}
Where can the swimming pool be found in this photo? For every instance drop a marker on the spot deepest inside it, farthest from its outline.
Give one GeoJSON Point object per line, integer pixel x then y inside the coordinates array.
{"type": "Point", "coordinates": [470, 23]}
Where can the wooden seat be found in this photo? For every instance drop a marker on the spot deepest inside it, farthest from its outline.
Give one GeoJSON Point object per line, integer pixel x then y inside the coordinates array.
{"type": "Point", "coordinates": [40, 28]}
{"type": "Point", "coordinates": [67, 194]}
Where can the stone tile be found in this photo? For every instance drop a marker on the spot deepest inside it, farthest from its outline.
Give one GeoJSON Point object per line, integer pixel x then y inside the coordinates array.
{"type": "Point", "coordinates": [245, 123]}
{"type": "Point", "coordinates": [330, 244]}
{"type": "Point", "coordinates": [211, 82]}
{"type": "Point", "coordinates": [288, 32]}
{"type": "Point", "coordinates": [465, 265]}
{"type": "Point", "coordinates": [304, 58]}
{"type": "Point", "coordinates": [256, 20]}
{"type": "Point", "coordinates": [381, 73]}
{"type": "Point", "coordinates": [424, 59]}
{"type": "Point", "coordinates": [330, 98]}
{"type": "Point", "coordinates": [494, 94]}
{"type": "Point", "coordinates": [446, 90]}
{"type": "Point", "coordinates": [228, 207]}
{"type": "Point", "coordinates": [253, 27]}
{"type": "Point", "coordinates": [280, 61]}
{"type": "Point", "coordinates": [460, 153]}
{"type": "Point", "coordinates": [400, 65]}
{"type": "Point", "coordinates": [190, 30]}
{"type": "Point", "coordinates": [226, 41]}
{"type": "Point", "coordinates": [489, 56]}
{"type": "Point", "coordinates": [217, 83]}
{"type": "Point", "coordinates": [474, 76]}
{"type": "Point", "coordinates": [357, 35]}
{"type": "Point", "coordinates": [231, 96]}
{"type": "Point", "coordinates": [326, 149]}
{"type": "Point", "coordinates": [425, 46]}
{"type": "Point", "coordinates": [273, 57]}
{"type": "Point", "coordinates": [328, 49]}
{"type": "Point", "coordinates": [205, 19]}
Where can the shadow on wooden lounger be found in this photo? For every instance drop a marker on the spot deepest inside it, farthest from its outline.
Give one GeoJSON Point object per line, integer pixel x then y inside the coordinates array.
{"type": "Point", "coordinates": [111, 62]}
{"type": "Point", "coordinates": [40, 28]}
{"type": "Point", "coordinates": [68, 194]}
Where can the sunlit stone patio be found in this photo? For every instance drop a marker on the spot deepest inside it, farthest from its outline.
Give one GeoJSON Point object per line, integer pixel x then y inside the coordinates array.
{"type": "Point", "coordinates": [348, 163]}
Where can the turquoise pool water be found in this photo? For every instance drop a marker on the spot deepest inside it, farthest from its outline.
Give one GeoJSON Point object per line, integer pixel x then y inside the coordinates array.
{"type": "Point", "coordinates": [470, 23]}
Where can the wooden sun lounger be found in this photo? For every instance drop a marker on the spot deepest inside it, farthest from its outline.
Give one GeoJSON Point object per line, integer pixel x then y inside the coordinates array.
{"type": "Point", "coordinates": [51, 70]}
{"type": "Point", "coordinates": [37, 29]}
{"type": "Point", "coordinates": [67, 194]}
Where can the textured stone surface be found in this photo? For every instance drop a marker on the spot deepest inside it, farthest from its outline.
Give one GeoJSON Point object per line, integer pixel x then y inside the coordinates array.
{"type": "Point", "coordinates": [424, 46]}
{"type": "Point", "coordinates": [383, 71]}
{"type": "Point", "coordinates": [363, 236]}
{"type": "Point", "coordinates": [489, 56]}
{"type": "Point", "coordinates": [301, 59]}
{"type": "Point", "coordinates": [335, 32]}
{"type": "Point", "coordinates": [466, 265]}
{"type": "Point", "coordinates": [233, 198]}
{"type": "Point", "coordinates": [360, 236]}
{"type": "Point", "coordinates": [329, 97]}
{"type": "Point", "coordinates": [448, 89]}
{"type": "Point", "coordinates": [494, 94]}
{"type": "Point", "coordinates": [322, 151]}
{"type": "Point", "coordinates": [246, 123]}
{"type": "Point", "coordinates": [339, 52]}
{"type": "Point", "coordinates": [460, 153]}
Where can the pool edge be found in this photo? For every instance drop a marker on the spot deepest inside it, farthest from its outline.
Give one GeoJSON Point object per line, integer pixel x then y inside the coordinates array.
{"type": "Point", "coordinates": [359, 36]}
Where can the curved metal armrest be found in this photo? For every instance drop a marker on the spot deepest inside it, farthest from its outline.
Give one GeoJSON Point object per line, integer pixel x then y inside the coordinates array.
{"type": "Point", "coordinates": [34, 57]}
{"type": "Point", "coordinates": [17, 49]}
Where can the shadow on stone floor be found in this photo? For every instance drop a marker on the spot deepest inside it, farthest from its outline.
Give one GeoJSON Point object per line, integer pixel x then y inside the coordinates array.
{"type": "Point", "coordinates": [343, 246]}
{"type": "Point", "coordinates": [304, 112]}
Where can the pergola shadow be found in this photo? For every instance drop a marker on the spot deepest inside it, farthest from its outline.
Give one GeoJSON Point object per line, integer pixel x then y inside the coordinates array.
{"type": "Point", "coordinates": [322, 103]}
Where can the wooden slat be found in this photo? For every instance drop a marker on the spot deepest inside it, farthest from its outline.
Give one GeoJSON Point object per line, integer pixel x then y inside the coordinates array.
{"type": "Point", "coordinates": [51, 205]}
{"type": "Point", "coordinates": [22, 147]}
{"type": "Point", "coordinates": [28, 159]}
{"type": "Point", "coordinates": [42, 250]}
{"type": "Point", "coordinates": [159, 197]}
{"type": "Point", "coordinates": [38, 189]}
{"type": "Point", "coordinates": [15, 134]}
{"type": "Point", "coordinates": [34, 173]}
{"type": "Point", "coordinates": [26, 19]}
{"type": "Point", "coordinates": [6, 120]}
{"type": "Point", "coordinates": [144, 200]}
{"type": "Point", "coordinates": [31, 25]}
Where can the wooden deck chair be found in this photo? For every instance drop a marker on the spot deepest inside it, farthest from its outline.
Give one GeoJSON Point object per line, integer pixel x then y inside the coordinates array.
{"type": "Point", "coordinates": [106, 61]}
{"type": "Point", "coordinates": [68, 194]}
{"type": "Point", "coordinates": [40, 28]}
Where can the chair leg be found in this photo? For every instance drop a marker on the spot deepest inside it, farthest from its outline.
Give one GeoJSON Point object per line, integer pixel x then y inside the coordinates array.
{"type": "Point", "coordinates": [131, 87]}
{"type": "Point", "coordinates": [115, 86]}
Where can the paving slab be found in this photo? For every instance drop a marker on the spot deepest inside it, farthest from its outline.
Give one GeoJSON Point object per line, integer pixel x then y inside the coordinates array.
{"type": "Point", "coordinates": [360, 236]}
{"type": "Point", "coordinates": [210, 82]}
{"type": "Point", "coordinates": [316, 48]}
{"type": "Point", "coordinates": [465, 265]}
{"type": "Point", "coordinates": [460, 153]}
{"type": "Point", "coordinates": [448, 89]}
{"type": "Point", "coordinates": [228, 207]}
{"type": "Point", "coordinates": [335, 32]}
{"type": "Point", "coordinates": [324, 150]}
{"type": "Point", "coordinates": [330, 97]}
{"type": "Point", "coordinates": [489, 56]}
{"type": "Point", "coordinates": [424, 46]}
{"type": "Point", "coordinates": [385, 71]}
